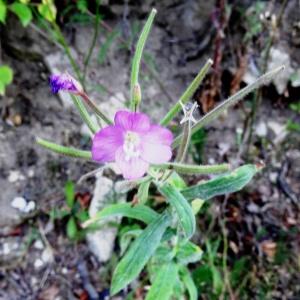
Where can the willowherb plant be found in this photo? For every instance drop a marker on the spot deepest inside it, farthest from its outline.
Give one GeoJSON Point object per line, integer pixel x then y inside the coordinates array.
{"type": "Point", "coordinates": [142, 151]}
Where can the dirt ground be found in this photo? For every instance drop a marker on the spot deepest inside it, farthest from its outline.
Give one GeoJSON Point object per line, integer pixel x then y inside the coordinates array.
{"type": "Point", "coordinates": [37, 260]}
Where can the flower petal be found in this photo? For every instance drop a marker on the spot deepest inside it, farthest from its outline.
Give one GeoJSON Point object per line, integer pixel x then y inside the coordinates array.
{"type": "Point", "coordinates": [132, 121]}
{"type": "Point", "coordinates": [133, 168]}
{"type": "Point", "coordinates": [106, 142]}
{"type": "Point", "coordinates": [155, 153]}
{"type": "Point", "coordinates": [159, 135]}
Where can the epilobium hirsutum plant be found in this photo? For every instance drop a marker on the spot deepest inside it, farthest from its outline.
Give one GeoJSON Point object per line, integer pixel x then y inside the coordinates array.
{"type": "Point", "coordinates": [143, 153]}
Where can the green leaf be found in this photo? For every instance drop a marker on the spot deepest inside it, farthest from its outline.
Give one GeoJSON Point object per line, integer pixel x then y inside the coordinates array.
{"type": "Point", "coordinates": [22, 11]}
{"type": "Point", "coordinates": [6, 75]}
{"type": "Point", "coordinates": [162, 287]}
{"type": "Point", "coordinates": [139, 253]}
{"type": "Point", "coordinates": [70, 193]}
{"type": "Point", "coordinates": [189, 253]}
{"type": "Point", "coordinates": [3, 10]}
{"type": "Point", "coordinates": [64, 150]}
{"type": "Point", "coordinates": [72, 228]}
{"type": "Point", "coordinates": [138, 56]}
{"type": "Point", "coordinates": [224, 184]}
{"type": "Point", "coordinates": [143, 192]}
{"type": "Point", "coordinates": [189, 283]}
{"type": "Point", "coordinates": [197, 205]}
{"type": "Point", "coordinates": [127, 238]}
{"type": "Point", "coordinates": [176, 181]}
{"type": "Point", "coordinates": [139, 212]}
{"type": "Point", "coordinates": [184, 210]}
{"type": "Point", "coordinates": [47, 10]}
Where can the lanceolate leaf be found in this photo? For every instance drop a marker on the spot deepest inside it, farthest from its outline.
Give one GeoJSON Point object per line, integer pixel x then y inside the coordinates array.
{"type": "Point", "coordinates": [189, 283]}
{"type": "Point", "coordinates": [225, 184]}
{"type": "Point", "coordinates": [139, 253]}
{"type": "Point", "coordinates": [184, 210]}
{"type": "Point", "coordinates": [139, 212]}
{"type": "Point", "coordinates": [164, 282]}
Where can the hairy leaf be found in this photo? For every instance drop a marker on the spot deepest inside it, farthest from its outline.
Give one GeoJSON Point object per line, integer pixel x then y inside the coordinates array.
{"type": "Point", "coordinates": [184, 210]}
{"type": "Point", "coordinates": [164, 282]}
{"type": "Point", "coordinates": [139, 253]}
{"type": "Point", "coordinates": [138, 212]}
{"type": "Point", "coordinates": [225, 184]}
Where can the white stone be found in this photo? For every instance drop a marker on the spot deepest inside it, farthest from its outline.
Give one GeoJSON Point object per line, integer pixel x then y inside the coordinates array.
{"type": "Point", "coordinates": [38, 244]}
{"type": "Point", "coordinates": [101, 242]}
{"type": "Point", "coordinates": [261, 129]}
{"type": "Point", "coordinates": [38, 263]}
{"type": "Point", "coordinates": [15, 176]}
{"type": "Point", "coordinates": [19, 203]}
{"type": "Point", "coordinates": [47, 256]}
{"type": "Point", "coordinates": [29, 207]}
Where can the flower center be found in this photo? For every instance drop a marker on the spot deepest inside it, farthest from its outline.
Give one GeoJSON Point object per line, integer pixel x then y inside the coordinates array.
{"type": "Point", "coordinates": [131, 143]}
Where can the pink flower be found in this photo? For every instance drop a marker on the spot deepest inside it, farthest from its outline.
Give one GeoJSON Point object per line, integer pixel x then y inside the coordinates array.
{"type": "Point", "coordinates": [133, 143]}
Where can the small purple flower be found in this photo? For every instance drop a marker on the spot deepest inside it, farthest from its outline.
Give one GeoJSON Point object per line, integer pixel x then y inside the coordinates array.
{"type": "Point", "coordinates": [65, 82]}
{"type": "Point", "coordinates": [133, 143]}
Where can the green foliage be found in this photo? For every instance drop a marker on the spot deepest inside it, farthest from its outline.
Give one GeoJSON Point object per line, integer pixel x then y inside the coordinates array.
{"type": "Point", "coordinates": [47, 10]}
{"type": "Point", "coordinates": [165, 279]}
{"type": "Point", "coordinates": [70, 193]}
{"type": "Point", "coordinates": [189, 283]}
{"type": "Point", "coordinates": [138, 212]}
{"type": "Point", "coordinates": [253, 22]}
{"type": "Point", "coordinates": [139, 253]}
{"type": "Point", "coordinates": [221, 185]}
{"type": "Point", "coordinates": [72, 230]}
{"type": "Point", "coordinates": [143, 192]}
{"type": "Point", "coordinates": [22, 11]}
{"type": "Point", "coordinates": [3, 10]}
{"type": "Point", "coordinates": [189, 253]}
{"type": "Point", "coordinates": [6, 77]}
{"type": "Point", "coordinates": [82, 5]}
{"type": "Point", "coordinates": [183, 209]}
{"type": "Point", "coordinates": [160, 241]}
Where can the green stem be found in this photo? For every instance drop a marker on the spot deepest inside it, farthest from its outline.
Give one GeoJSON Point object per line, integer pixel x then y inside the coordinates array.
{"type": "Point", "coordinates": [194, 169]}
{"type": "Point", "coordinates": [187, 95]}
{"type": "Point", "coordinates": [95, 108]}
{"type": "Point", "coordinates": [136, 62]}
{"type": "Point", "coordinates": [73, 152]}
{"type": "Point", "coordinates": [184, 145]}
{"type": "Point", "coordinates": [213, 114]}
{"type": "Point", "coordinates": [84, 114]}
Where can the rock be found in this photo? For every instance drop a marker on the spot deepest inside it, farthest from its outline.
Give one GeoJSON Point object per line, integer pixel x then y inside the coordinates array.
{"type": "Point", "coordinates": [11, 250]}
{"type": "Point", "coordinates": [261, 129]}
{"type": "Point", "coordinates": [279, 131]}
{"type": "Point", "coordinates": [15, 175]}
{"type": "Point", "coordinates": [9, 216]}
{"type": "Point", "coordinates": [22, 205]}
{"type": "Point", "coordinates": [278, 57]}
{"type": "Point", "coordinates": [101, 242]}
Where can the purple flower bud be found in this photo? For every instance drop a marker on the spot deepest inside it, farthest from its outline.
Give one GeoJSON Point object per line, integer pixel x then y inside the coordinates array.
{"type": "Point", "coordinates": [65, 82]}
